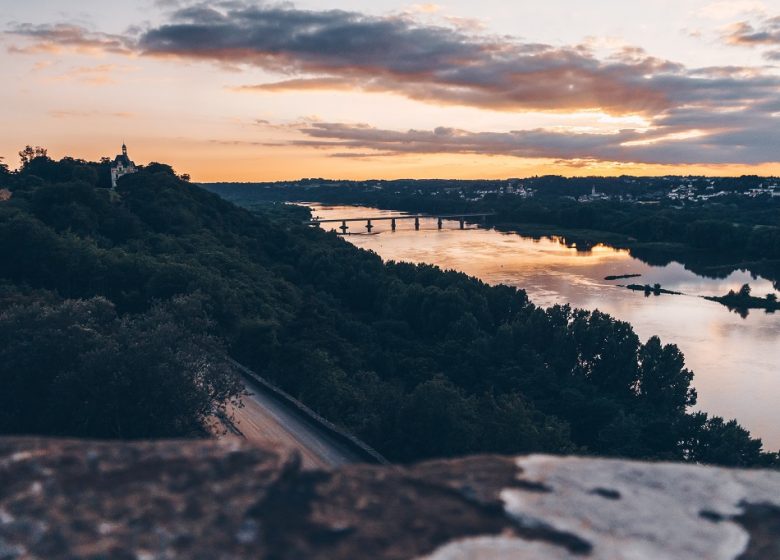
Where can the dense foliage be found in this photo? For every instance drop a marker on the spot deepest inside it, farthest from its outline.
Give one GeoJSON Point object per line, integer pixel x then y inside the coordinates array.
{"type": "Point", "coordinates": [114, 303]}
{"type": "Point", "coordinates": [75, 367]}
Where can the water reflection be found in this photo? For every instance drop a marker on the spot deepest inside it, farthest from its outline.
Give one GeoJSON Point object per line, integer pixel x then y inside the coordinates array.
{"type": "Point", "coordinates": [736, 360]}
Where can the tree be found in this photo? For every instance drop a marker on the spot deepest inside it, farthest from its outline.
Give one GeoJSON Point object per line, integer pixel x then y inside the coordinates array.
{"type": "Point", "coordinates": [437, 420]}
{"type": "Point", "coordinates": [4, 173]}
{"type": "Point", "coordinates": [664, 383]}
{"type": "Point", "coordinates": [155, 374]}
{"type": "Point", "coordinates": [744, 291]}
{"type": "Point", "coordinates": [28, 153]}
{"type": "Point", "coordinates": [716, 441]}
{"type": "Point", "coordinates": [155, 167]}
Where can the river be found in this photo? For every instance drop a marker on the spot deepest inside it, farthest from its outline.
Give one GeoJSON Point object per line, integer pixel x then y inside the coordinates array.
{"type": "Point", "coordinates": [736, 360]}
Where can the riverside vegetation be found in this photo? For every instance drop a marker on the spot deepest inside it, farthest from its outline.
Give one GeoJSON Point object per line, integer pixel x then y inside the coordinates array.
{"type": "Point", "coordinates": [712, 237]}
{"type": "Point", "coordinates": [742, 300]}
{"type": "Point", "coordinates": [119, 308]}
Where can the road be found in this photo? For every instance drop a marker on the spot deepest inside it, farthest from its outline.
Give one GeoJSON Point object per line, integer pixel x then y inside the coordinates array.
{"type": "Point", "coordinates": [268, 421]}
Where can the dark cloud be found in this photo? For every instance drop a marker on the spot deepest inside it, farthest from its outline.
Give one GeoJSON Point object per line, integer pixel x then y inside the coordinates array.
{"type": "Point", "coordinates": [659, 146]}
{"type": "Point", "coordinates": [335, 49]}
{"type": "Point", "coordinates": [525, 143]}
{"type": "Point", "coordinates": [339, 49]}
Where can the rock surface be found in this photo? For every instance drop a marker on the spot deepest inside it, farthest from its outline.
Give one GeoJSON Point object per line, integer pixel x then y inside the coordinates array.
{"type": "Point", "coordinates": [224, 499]}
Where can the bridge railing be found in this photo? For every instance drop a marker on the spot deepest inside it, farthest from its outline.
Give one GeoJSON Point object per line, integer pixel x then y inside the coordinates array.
{"type": "Point", "coordinates": [401, 217]}
{"type": "Point", "coordinates": [358, 447]}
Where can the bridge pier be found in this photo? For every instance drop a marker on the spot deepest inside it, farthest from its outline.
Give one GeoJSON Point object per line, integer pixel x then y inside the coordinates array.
{"type": "Point", "coordinates": [369, 221]}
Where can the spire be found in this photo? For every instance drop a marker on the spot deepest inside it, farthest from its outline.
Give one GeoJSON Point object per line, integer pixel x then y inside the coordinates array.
{"type": "Point", "coordinates": [124, 149]}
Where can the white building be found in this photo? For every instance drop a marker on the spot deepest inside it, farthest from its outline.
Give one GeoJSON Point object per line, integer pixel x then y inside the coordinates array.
{"type": "Point", "coordinates": [122, 166]}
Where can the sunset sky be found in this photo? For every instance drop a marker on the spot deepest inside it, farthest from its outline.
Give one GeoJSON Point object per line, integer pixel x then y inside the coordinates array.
{"type": "Point", "coordinates": [246, 90]}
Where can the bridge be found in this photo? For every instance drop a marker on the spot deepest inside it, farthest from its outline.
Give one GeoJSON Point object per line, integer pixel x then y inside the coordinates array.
{"type": "Point", "coordinates": [462, 218]}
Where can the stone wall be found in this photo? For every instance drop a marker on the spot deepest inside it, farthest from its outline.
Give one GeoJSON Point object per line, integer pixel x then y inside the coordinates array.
{"type": "Point", "coordinates": [224, 499]}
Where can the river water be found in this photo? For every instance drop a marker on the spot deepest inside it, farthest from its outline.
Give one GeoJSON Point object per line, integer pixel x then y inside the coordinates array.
{"type": "Point", "coordinates": [736, 360]}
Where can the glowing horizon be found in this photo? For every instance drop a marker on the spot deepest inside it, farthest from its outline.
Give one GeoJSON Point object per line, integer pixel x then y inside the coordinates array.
{"type": "Point", "coordinates": [251, 91]}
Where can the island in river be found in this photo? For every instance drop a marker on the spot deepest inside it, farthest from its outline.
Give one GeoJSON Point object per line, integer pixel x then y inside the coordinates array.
{"type": "Point", "coordinates": [655, 289]}
{"type": "Point", "coordinates": [741, 301]}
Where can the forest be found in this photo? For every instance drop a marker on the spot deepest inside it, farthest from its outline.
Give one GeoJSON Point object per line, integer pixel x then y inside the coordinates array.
{"type": "Point", "coordinates": [119, 309]}
{"type": "Point", "coordinates": [712, 237]}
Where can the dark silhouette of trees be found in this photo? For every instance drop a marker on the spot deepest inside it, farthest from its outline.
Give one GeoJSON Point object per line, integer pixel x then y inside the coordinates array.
{"type": "Point", "coordinates": [76, 367]}
{"type": "Point", "coordinates": [117, 309]}
{"type": "Point", "coordinates": [28, 153]}
{"type": "Point", "coordinates": [155, 167]}
{"type": "Point", "coordinates": [5, 174]}
{"type": "Point", "coordinates": [742, 301]}
{"type": "Point", "coordinates": [714, 440]}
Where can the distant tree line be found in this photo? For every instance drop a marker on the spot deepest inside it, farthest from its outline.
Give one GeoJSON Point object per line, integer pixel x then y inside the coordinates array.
{"type": "Point", "coordinates": [730, 230]}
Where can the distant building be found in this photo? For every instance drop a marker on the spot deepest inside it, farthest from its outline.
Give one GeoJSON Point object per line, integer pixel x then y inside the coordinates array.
{"type": "Point", "coordinates": [122, 166]}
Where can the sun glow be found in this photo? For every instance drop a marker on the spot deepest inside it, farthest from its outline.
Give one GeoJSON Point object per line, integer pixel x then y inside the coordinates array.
{"type": "Point", "coordinates": [688, 134]}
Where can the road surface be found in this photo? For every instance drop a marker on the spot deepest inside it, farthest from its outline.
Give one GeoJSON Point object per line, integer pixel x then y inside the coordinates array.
{"type": "Point", "coordinates": [268, 421]}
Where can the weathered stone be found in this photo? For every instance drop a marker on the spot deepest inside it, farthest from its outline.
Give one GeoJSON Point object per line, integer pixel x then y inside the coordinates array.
{"type": "Point", "coordinates": [630, 510]}
{"type": "Point", "coordinates": [223, 499]}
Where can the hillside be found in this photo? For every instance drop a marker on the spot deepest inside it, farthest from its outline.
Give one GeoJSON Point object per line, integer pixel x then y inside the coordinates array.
{"type": "Point", "coordinates": [118, 308]}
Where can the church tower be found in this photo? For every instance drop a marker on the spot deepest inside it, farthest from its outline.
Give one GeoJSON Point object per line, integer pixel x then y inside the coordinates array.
{"type": "Point", "coordinates": [121, 166]}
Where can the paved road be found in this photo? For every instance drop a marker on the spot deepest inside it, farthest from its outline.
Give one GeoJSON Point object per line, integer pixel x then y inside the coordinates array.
{"type": "Point", "coordinates": [268, 421]}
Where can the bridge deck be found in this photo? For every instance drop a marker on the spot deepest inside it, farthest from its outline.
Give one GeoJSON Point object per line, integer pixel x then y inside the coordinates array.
{"type": "Point", "coordinates": [401, 217]}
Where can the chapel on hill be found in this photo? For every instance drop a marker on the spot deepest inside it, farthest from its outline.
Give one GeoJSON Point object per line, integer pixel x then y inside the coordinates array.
{"type": "Point", "coordinates": [122, 165]}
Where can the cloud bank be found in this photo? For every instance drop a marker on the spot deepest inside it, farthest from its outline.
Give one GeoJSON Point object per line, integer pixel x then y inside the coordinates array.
{"type": "Point", "coordinates": [424, 62]}
{"type": "Point", "coordinates": [660, 146]}
{"type": "Point", "coordinates": [696, 115]}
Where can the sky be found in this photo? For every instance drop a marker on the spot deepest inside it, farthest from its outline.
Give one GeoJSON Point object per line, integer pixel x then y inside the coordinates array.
{"type": "Point", "coordinates": [244, 90]}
